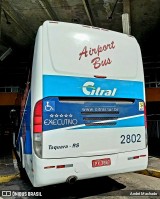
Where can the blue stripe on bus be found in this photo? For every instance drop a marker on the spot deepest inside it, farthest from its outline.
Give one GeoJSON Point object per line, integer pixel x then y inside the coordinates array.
{"type": "Point", "coordinates": [72, 86]}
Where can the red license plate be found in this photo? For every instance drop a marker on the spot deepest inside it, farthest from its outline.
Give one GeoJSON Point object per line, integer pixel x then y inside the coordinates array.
{"type": "Point", "coordinates": [101, 162]}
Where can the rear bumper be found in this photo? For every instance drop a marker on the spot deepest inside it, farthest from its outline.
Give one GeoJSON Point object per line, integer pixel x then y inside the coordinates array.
{"type": "Point", "coordinates": [82, 167]}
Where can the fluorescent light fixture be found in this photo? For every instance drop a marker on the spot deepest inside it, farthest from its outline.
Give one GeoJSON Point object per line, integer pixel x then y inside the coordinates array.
{"type": "Point", "coordinates": [4, 55]}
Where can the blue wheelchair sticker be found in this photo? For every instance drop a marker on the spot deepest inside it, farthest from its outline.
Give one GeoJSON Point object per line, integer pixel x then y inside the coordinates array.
{"type": "Point", "coordinates": [49, 106]}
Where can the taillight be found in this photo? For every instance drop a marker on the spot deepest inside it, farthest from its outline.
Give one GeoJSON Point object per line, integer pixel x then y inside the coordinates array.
{"type": "Point", "coordinates": [37, 128]}
{"type": "Point", "coordinates": [145, 116]}
{"type": "Point", "coordinates": [145, 120]}
{"type": "Point", "coordinates": [37, 118]}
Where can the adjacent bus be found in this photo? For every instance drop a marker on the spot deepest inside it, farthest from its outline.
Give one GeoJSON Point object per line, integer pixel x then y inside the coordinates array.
{"type": "Point", "coordinates": [84, 114]}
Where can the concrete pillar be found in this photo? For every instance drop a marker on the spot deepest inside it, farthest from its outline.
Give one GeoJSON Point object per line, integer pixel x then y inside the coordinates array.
{"type": "Point", "coordinates": [126, 24]}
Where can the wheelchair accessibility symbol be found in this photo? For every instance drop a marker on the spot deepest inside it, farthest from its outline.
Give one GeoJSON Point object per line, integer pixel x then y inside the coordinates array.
{"type": "Point", "coordinates": [50, 106]}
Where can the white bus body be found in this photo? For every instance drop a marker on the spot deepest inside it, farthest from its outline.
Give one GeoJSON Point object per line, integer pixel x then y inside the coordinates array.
{"type": "Point", "coordinates": [85, 112]}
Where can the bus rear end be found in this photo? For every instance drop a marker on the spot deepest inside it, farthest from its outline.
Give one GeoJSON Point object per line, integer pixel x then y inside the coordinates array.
{"type": "Point", "coordinates": [89, 120]}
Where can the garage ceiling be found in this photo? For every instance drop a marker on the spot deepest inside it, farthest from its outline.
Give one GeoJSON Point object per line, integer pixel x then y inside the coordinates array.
{"type": "Point", "coordinates": [20, 20]}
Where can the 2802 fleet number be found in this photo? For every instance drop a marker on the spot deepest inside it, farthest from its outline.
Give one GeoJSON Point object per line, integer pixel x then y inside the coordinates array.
{"type": "Point", "coordinates": [130, 138]}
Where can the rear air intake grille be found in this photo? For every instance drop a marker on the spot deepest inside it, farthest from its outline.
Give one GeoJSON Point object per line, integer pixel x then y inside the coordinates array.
{"type": "Point", "coordinates": [95, 121]}
{"type": "Point", "coordinates": [102, 124]}
{"type": "Point", "coordinates": [100, 118]}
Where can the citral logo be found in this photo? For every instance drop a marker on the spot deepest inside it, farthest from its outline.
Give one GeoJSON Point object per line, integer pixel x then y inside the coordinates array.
{"type": "Point", "coordinates": [89, 89]}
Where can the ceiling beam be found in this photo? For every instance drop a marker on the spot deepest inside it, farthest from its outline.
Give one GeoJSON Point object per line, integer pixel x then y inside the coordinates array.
{"type": "Point", "coordinates": [126, 23]}
{"type": "Point", "coordinates": [88, 11]}
{"type": "Point", "coordinates": [48, 9]}
{"type": "Point", "coordinates": [21, 23]}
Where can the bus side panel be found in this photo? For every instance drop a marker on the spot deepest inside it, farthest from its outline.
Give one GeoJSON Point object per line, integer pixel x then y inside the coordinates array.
{"type": "Point", "coordinates": [37, 70]}
{"type": "Point", "coordinates": [24, 130]}
{"type": "Point", "coordinates": [26, 127]}
{"type": "Point", "coordinates": [36, 91]}
{"type": "Point", "coordinates": [36, 77]}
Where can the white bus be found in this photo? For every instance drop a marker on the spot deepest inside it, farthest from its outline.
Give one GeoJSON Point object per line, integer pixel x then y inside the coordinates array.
{"type": "Point", "coordinates": [84, 115]}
